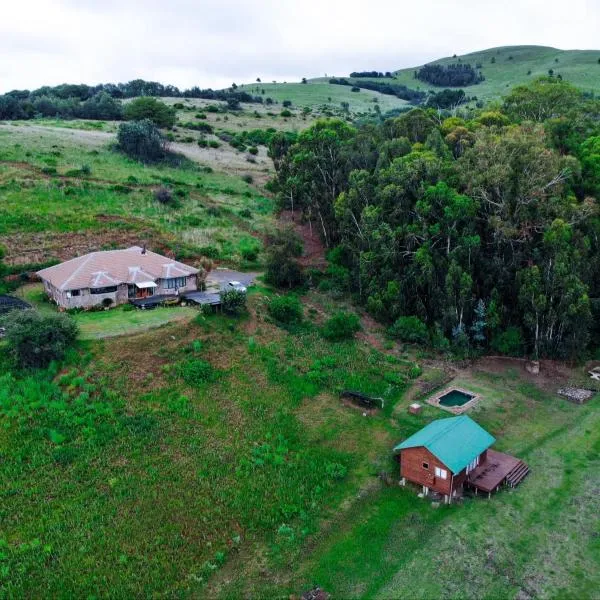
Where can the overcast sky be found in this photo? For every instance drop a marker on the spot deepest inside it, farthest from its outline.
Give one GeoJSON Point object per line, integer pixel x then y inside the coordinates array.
{"type": "Point", "coordinates": [214, 43]}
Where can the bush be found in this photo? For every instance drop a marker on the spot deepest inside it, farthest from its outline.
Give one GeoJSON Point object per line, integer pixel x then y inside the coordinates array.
{"type": "Point", "coordinates": [341, 326]}
{"type": "Point", "coordinates": [286, 309]}
{"type": "Point", "coordinates": [34, 339]}
{"type": "Point", "coordinates": [214, 144]}
{"type": "Point", "coordinates": [195, 371]}
{"type": "Point", "coordinates": [147, 107]}
{"type": "Point", "coordinates": [142, 140]}
{"type": "Point", "coordinates": [409, 329]}
{"type": "Point", "coordinates": [509, 342]}
{"type": "Point", "coordinates": [233, 301]}
{"type": "Point", "coordinates": [165, 196]}
{"type": "Point", "coordinates": [248, 178]}
{"type": "Point", "coordinates": [286, 113]}
{"type": "Point", "coordinates": [253, 150]}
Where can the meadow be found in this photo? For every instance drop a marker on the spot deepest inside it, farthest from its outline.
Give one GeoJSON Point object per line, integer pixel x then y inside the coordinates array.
{"type": "Point", "coordinates": [506, 67]}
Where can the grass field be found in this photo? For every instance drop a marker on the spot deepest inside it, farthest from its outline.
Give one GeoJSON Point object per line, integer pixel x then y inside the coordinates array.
{"type": "Point", "coordinates": [50, 209]}
{"type": "Point", "coordinates": [516, 65]}
{"type": "Point", "coordinates": [320, 93]}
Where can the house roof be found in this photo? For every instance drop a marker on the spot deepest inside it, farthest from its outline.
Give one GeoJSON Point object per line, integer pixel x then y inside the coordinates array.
{"type": "Point", "coordinates": [112, 267]}
{"type": "Point", "coordinates": [455, 441]}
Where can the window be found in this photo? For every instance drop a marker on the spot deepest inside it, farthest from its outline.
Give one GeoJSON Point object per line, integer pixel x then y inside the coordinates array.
{"type": "Point", "coordinates": [104, 290]}
{"type": "Point", "coordinates": [175, 282]}
{"type": "Point", "coordinates": [426, 465]}
{"type": "Point", "coordinates": [441, 473]}
{"type": "Point", "coordinates": [73, 293]}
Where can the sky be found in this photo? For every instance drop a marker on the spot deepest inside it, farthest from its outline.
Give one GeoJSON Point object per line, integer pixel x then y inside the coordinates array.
{"type": "Point", "coordinates": [215, 43]}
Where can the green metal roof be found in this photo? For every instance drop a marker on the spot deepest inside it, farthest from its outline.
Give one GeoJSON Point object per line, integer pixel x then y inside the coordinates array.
{"type": "Point", "coordinates": [455, 441]}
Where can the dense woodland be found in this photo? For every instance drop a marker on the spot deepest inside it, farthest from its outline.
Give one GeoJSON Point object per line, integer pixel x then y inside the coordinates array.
{"type": "Point", "coordinates": [100, 101]}
{"type": "Point", "coordinates": [474, 232]}
{"type": "Point", "coordinates": [455, 75]}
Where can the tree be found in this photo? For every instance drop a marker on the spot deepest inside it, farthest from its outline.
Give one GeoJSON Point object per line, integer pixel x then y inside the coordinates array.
{"type": "Point", "coordinates": [283, 248]}
{"type": "Point", "coordinates": [150, 108]}
{"type": "Point", "coordinates": [542, 99]}
{"type": "Point", "coordinates": [34, 339]}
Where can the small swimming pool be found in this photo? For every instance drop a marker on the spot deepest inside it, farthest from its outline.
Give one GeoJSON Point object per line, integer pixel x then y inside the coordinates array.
{"type": "Point", "coordinates": [455, 398]}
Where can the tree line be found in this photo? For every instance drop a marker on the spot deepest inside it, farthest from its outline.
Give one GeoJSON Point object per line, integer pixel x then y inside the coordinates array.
{"type": "Point", "coordinates": [391, 89]}
{"type": "Point", "coordinates": [101, 101]}
{"type": "Point", "coordinates": [455, 75]}
{"type": "Point", "coordinates": [372, 74]}
{"type": "Point", "coordinates": [471, 233]}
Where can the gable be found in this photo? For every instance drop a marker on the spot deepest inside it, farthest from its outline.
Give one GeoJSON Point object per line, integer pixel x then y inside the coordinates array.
{"type": "Point", "coordinates": [455, 441]}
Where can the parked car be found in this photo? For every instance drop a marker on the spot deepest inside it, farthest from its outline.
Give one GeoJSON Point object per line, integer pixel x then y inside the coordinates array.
{"type": "Point", "coordinates": [236, 285]}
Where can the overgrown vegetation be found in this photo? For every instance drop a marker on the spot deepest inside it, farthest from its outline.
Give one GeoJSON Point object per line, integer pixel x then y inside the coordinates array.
{"type": "Point", "coordinates": [438, 219]}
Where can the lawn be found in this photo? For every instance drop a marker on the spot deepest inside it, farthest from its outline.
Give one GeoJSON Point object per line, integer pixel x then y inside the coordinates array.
{"type": "Point", "coordinates": [115, 321]}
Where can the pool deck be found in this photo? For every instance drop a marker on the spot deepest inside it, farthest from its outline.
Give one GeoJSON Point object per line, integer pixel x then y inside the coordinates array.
{"type": "Point", "coordinates": [456, 410]}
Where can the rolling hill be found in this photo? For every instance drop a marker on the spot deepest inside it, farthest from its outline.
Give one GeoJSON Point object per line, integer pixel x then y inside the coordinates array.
{"type": "Point", "coordinates": [505, 67]}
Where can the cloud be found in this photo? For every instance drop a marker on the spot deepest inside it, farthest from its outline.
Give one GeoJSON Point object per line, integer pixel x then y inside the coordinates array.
{"type": "Point", "coordinates": [212, 43]}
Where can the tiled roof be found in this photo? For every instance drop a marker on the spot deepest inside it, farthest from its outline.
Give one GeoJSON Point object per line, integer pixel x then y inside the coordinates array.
{"type": "Point", "coordinates": [112, 267]}
{"type": "Point", "coordinates": [455, 441]}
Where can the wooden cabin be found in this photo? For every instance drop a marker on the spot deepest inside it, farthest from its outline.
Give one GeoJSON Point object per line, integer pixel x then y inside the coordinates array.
{"type": "Point", "coordinates": [448, 454]}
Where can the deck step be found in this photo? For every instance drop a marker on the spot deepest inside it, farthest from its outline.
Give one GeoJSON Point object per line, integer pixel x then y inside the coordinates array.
{"type": "Point", "coordinates": [517, 474]}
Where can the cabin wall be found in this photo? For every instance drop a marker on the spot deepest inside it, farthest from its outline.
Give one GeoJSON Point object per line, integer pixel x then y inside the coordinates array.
{"type": "Point", "coordinates": [411, 467]}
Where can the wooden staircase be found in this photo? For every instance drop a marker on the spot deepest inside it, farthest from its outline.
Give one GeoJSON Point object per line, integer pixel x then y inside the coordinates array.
{"type": "Point", "coordinates": [517, 474]}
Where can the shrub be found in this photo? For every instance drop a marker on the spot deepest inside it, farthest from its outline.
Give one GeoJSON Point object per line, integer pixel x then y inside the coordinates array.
{"type": "Point", "coordinates": [509, 342]}
{"type": "Point", "coordinates": [286, 113]}
{"type": "Point", "coordinates": [409, 329]}
{"type": "Point", "coordinates": [286, 309]}
{"type": "Point", "coordinates": [200, 116]}
{"type": "Point", "coordinates": [248, 178]}
{"type": "Point", "coordinates": [142, 140]}
{"type": "Point", "coordinates": [233, 301]}
{"type": "Point", "coordinates": [249, 248]}
{"type": "Point", "coordinates": [147, 107]}
{"type": "Point", "coordinates": [195, 371]}
{"type": "Point", "coordinates": [253, 150]}
{"type": "Point", "coordinates": [214, 144]}
{"type": "Point", "coordinates": [165, 196]}
{"type": "Point", "coordinates": [34, 339]}
{"type": "Point", "coordinates": [341, 326]}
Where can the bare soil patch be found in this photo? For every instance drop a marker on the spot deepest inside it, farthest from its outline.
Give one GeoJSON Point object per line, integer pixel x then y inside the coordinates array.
{"type": "Point", "coordinates": [314, 249]}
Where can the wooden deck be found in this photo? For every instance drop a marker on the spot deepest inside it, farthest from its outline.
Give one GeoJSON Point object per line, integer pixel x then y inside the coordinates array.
{"type": "Point", "coordinates": [497, 469]}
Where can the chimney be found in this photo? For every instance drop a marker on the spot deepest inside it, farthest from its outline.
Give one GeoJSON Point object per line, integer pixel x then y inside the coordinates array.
{"type": "Point", "coordinates": [144, 249]}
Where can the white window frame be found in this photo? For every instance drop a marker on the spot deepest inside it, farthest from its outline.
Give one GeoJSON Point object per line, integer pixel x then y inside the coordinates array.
{"type": "Point", "coordinates": [172, 283]}
{"type": "Point", "coordinates": [441, 473]}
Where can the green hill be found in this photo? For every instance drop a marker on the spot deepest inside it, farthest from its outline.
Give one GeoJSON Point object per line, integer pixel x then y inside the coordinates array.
{"type": "Point", "coordinates": [505, 67]}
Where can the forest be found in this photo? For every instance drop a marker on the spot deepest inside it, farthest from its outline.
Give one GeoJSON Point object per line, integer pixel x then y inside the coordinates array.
{"type": "Point", "coordinates": [467, 233]}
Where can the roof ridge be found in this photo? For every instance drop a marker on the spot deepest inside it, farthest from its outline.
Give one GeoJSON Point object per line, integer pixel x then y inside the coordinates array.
{"type": "Point", "coordinates": [86, 259]}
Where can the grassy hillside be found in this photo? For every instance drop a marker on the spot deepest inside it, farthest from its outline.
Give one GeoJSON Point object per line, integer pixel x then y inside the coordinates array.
{"type": "Point", "coordinates": [320, 93]}
{"type": "Point", "coordinates": [514, 65]}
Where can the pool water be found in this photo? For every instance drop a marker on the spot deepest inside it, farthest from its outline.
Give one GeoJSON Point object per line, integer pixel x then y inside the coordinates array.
{"type": "Point", "coordinates": [455, 398]}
